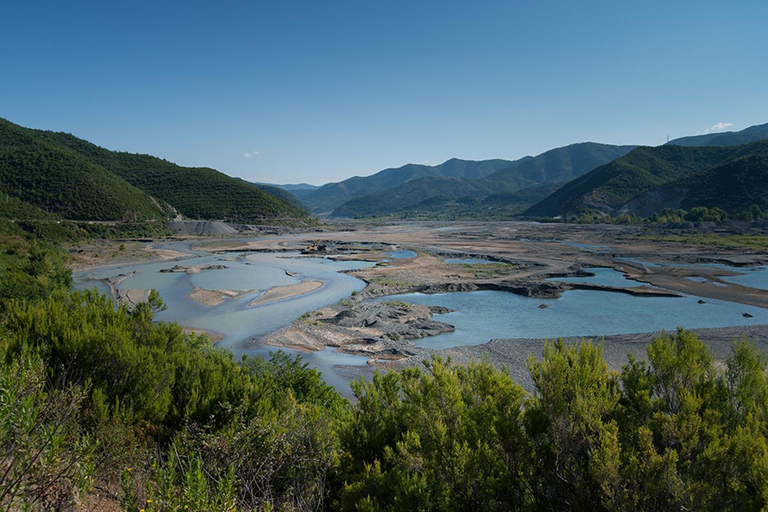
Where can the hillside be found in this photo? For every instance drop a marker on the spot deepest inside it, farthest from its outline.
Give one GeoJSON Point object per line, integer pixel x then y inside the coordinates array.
{"type": "Point", "coordinates": [433, 193]}
{"type": "Point", "coordinates": [278, 192]}
{"type": "Point", "coordinates": [332, 195]}
{"type": "Point", "coordinates": [70, 177]}
{"type": "Point", "coordinates": [49, 176]}
{"type": "Point", "coordinates": [196, 192]}
{"type": "Point", "coordinates": [751, 134]}
{"type": "Point", "coordinates": [649, 179]}
{"type": "Point", "coordinates": [505, 192]}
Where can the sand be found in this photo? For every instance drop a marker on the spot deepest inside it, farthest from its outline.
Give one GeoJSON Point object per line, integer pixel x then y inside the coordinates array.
{"type": "Point", "coordinates": [285, 292]}
{"type": "Point", "coordinates": [213, 298]}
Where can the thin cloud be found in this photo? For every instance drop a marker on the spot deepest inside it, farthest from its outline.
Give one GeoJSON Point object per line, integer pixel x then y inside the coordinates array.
{"type": "Point", "coordinates": [251, 154]}
{"type": "Point", "coordinates": [717, 127]}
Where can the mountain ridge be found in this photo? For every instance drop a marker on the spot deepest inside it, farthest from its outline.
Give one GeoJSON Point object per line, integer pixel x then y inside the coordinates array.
{"type": "Point", "coordinates": [498, 194]}
{"type": "Point", "coordinates": [650, 178]}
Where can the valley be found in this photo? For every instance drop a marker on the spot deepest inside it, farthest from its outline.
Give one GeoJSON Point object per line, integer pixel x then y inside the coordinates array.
{"type": "Point", "coordinates": [356, 296]}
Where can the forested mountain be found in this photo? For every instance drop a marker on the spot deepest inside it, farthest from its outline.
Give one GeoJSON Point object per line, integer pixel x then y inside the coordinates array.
{"type": "Point", "coordinates": [505, 192]}
{"type": "Point", "coordinates": [751, 134]}
{"type": "Point", "coordinates": [79, 180]}
{"type": "Point", "coordinates": [649, 179]}
{"type": "Point", "coordinates": [332, 195]}
{"type": "Point", "coordinates": [36, 170]}
{"type": "Point", "coordinates": [278, 192]}
{"type": "Point", "coordinates": [290, 187]}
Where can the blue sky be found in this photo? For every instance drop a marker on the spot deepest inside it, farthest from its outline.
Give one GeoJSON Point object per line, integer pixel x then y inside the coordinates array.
{"type": "Point", "coordinates": [318, 91]}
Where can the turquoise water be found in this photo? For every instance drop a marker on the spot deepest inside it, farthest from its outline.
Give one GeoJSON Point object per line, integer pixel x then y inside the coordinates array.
{"type": "Point", "coordinates": [235, 320]}
{"type": "Point", "coordinates": [478, 316]}
{"type": "Point", "coordinates": [603, 277]}
{"type": "Point", "coordinates": [468, 261]}
{"type": "Point", "coordinates": [756, 277]}
{"type": "Point", "coordinates": [484, 315]}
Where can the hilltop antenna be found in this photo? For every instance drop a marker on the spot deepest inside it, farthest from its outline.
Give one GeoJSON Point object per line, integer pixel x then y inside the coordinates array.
{"type": "Point", "coordinates": [667, 138]}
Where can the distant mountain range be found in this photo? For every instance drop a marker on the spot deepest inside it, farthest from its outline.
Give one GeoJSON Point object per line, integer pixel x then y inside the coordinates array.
{"type": "Point", "coordinates": [49, 175]}
{"type": "Point", "coordinates": [460, 188]}
{"type": "Point", "coordinates": [713, 170]}
{"type": "Point", "coordinates": [74, 179]}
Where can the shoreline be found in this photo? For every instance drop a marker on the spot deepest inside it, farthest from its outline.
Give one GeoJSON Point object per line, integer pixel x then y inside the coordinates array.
{"type": "Point", "coordinates": [513, 353]}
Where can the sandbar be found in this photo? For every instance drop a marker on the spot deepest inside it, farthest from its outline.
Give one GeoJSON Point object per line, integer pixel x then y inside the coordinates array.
{"type": "Point", "coordinates": [212, 298]}
{"type": "Point", "coordinates": [286, 292]}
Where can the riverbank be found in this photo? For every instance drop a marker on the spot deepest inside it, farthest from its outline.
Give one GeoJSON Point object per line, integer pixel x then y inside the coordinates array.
{"type": "Point", "coordinates": [514, 354]}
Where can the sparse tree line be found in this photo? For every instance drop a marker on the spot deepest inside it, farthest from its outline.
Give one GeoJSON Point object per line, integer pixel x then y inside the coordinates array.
{"type": "Point", "coordinates": [673, 216]}
{"type": "Point", "coordinates": [102, 407]}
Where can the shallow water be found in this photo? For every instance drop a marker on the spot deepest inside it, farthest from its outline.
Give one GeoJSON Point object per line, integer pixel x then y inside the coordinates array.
{"type": "Point", "coordinates": [756, 277]}
{"type": "Point", "coordinates": [603, 276]}
{"type": "Point", "coordinates": [235, 320]}
{"type": "Point", "coordinates": [484, 315]}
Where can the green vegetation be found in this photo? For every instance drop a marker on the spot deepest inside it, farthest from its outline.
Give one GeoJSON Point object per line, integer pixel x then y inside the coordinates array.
{"type": "Point", "coordinates": [280, 193]}
{"type": "Point", "coordinates": [49, 176]}
{"type": "Point", "coordinates": [649, 179]}
{"type": "Point", "coordinates": [77, 180]}
{"type": "Point", "coordinates": [757, 242]}
{"type": "Point", "coordinates": [104, 408]}
{"type": "Point", "coordinates": [385, 281]}
{"type": "Point", "coordinates": [492, 189]}
{"type": "Point", "coordinates": [671, 434]}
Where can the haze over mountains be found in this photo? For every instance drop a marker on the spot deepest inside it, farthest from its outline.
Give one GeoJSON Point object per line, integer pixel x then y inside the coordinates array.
{"type": "Point", "coordinates": [462, 187]}
{"type": "Point", "coordinates": [572, 180]}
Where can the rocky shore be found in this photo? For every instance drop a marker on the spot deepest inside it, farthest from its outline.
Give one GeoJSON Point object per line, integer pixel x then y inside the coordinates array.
{"type": "Point", "coordinates": [381, 330]}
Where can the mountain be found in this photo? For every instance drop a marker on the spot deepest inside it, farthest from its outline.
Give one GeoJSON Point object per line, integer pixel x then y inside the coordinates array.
{"type": "Point", "coordinates": [280, 193]}
{"type": "Point", "coordinates": [649, 179]}
{"type": "Point", "coordinates": [79, 180]}
{"type": "Point", "coordinates": [49, 176]}
{"type": "Point", "coordinates": [290, 187]}
{"type": "Point", "coordinates": [505, 192]}
{"type": "Point", "coordinates": [332, 195]}
{"type": "Point", "coordinates": [751, 134]}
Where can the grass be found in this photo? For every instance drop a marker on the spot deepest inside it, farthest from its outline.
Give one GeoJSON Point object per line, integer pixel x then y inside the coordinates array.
{"type": "Point", "coordinates": [397, 303]}
{"type": "Point", "coordinates": [385, 281]}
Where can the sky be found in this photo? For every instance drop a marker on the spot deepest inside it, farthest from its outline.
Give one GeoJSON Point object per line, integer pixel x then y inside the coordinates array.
{"type": "Point", "coordinates": [318, 91]}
